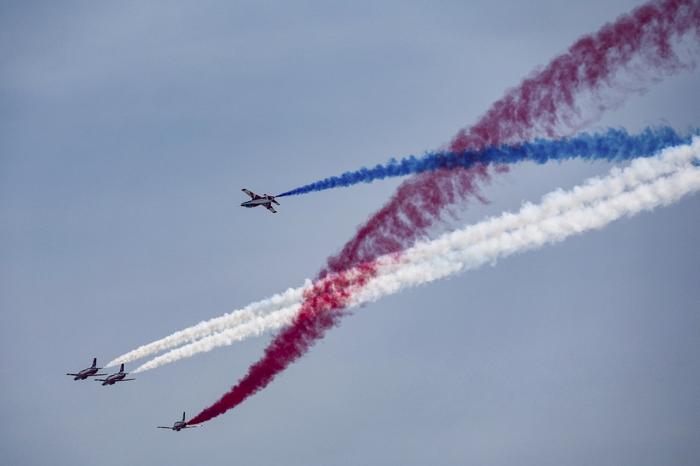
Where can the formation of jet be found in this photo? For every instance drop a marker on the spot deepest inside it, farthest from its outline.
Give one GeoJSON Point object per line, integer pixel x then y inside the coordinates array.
{"type": "Point", "coordinates": [88, 372]}
{"type": "Point", "coordinates": [116, 377]}
{"type": "Point", "coordinates": [178, 425]}
{"type": "Point", "coordinates": [93, 371]}
{"type": "Point", "coordinates": [256, 200]}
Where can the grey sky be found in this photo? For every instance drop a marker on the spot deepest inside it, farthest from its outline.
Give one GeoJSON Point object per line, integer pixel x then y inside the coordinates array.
{"type": "Point", "coordinates": [127, 130]}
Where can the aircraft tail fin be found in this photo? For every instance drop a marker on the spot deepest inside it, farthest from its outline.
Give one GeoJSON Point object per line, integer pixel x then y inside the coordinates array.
{"type": "Point", "coordinates": [183, 416]}
{"type": "Point", "coordinates": [94, 362]}
{"type": "Point", "coordinates": [121, 368]}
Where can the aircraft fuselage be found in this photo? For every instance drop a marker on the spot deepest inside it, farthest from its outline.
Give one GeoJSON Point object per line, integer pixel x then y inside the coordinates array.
{"type": "Point", "coordinates": [178, 425]}
{"type": "Point", "coordinates": [85, 373]}
{"type": "Point", "coordinates": [256, 202]}
{"type": "Point", "coordinates": [114, 378]}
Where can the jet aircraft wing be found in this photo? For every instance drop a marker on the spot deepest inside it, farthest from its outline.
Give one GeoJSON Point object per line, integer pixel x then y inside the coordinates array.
{"type": "Point", "coordinates": [270, 208]}
{"type": "Point", "coordinates": [250, 193]}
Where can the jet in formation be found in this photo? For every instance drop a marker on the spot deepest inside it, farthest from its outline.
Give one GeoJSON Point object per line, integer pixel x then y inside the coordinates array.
{"type": "Point", "coordinates": [116, 377]}
{"type": "Point", "coordinates": [178, 425]}
{"type": "Point", "coordinates": [256, 200]}
{"type": "Point", "coordinates": [88, 372]}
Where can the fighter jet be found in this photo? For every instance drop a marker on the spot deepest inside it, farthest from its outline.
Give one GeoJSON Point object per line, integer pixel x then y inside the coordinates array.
{"type": "Point", "coordinates": [114, 378]}
{"type": "Point", "coordinates": [178, 425]}
{"type": "Point", "coordinates": [89, 372]}
{"type": "Point", "coordinates": [256, 200]}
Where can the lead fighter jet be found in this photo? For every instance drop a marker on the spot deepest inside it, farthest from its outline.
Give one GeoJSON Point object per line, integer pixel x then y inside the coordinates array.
{"type": "Point", "coordinates": [89, 372]}
{"type": "Point", "coordinates": [114, 378]}
{"type": "Point", "coordinates": [178, 425]}
{"type": "Point", "coordinates": [256, 200]}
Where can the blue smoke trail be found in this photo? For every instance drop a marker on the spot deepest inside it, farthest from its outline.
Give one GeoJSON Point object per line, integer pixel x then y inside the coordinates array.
{"type": "Point", "coordinates": [611, 145]}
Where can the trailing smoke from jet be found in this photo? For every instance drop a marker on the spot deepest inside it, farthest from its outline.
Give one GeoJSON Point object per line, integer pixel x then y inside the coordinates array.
{"type": "Point", "coordinates": [548, 103]}
{"type": "Point", "coordinates": [452, 253]}
{"type": "Point", "coordinates": [572, 91]}
{"type": "Point", "coordinates": [254, 319]}
{"type": "Point", "coordinates": [596, 73]}
{"type": "Point", "coordinates": [464, 249]}
{"type": "Point", "coordinates": [243, 316]}
{"type": "Point", "coordinates": [646, 184]}
{"type": "Point", "coordinates": [318, 313]}
{"type": "Point", "coordinates": [613, 145]}
{"type": "Point", "coordinates": [274, 320]}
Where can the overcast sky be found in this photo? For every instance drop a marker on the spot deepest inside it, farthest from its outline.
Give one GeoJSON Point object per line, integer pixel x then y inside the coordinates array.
{"type": "Point", "coordinates": [126, 132]}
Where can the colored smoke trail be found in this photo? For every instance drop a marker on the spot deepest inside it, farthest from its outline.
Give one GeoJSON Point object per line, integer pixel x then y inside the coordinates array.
{"type": "Point", "coordinates": [646, 184]}
{"type": "Point", "coordinates": [463, 246]}
{"type": "Point", "coordinates": [248, 314]}
{"type": "Point", "coordinates": [567, 94]}
{"type": "Point", "coordinates": [430, 261]}
{"type": "Point", "coordinates": [545, 104]}
{"type": "Point", "coordinates": [615, 144]}
{"type": "Point", "coordinates": [274, 320]}
{"type": "Point", "coordinates": [276, 312]}
{"type": "Point", "coordinates": [321, 310]}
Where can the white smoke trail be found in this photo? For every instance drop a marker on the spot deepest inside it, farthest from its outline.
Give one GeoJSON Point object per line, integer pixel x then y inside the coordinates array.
{"type": "Point", "coordinates": [254, 327]}
{"type": "Point", "coordinates": [535, 225]}
{"type": "Point", "coordinates": [458, 253]}
{"type": "Point", "coordinates": [645, 184]}
{"type": "Point", "coordinates": [251, 312]}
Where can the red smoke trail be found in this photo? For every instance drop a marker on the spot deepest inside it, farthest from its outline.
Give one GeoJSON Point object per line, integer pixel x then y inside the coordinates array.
{"type": "Point", "coordinates": [321, 310]}
{"type": "Point", "coordinates": [544, 104]}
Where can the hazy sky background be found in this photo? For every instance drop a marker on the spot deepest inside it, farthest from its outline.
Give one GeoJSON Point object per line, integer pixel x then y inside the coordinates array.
{"type": "Point", "coordinates": [126, 132]}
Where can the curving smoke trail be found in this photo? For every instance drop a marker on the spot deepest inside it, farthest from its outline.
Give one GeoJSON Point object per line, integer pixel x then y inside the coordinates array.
{"type": "Point", "coordinates": [572, 91]}
{"type": "Point", "coordinates": [645, 185]}
{"type": "Point", "coordinates": [548, 103]}
{"type": "Point", "coordinates": [273, 320]}
{"type": "Point", "coordinates": [554, 204]}
{"type": "Point", "coordinates": [246, 316]}
{"type": "Point", "coordinates": [318, 313]}
{"type": "Point", "coordinates": [615, 144]}
{"type": "Point", "coordinates": [274, 313]}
